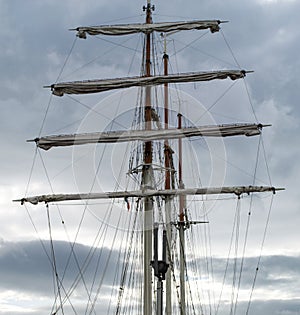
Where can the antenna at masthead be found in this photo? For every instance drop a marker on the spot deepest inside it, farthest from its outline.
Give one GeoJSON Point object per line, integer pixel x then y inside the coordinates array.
{"type": "Point", "coordinates": [149, 7]}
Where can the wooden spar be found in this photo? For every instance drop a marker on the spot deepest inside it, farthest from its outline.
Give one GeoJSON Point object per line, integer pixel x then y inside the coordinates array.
{"type": "Point", "coordinates": [147, 178]}
{"type": "Point", "coordinates": [167, 153]}
{"type": "Point", "coordinates": [181, 225]}
{"type": "Point", "coordinates": [148, 193]}
{"type": "Point", "coordinates": [166, 117]}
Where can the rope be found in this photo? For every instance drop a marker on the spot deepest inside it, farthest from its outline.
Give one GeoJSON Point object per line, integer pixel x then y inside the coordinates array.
{"type": "Point", "coordinates": [80, 275]}
{"type": "Point", "coordinates": [126, 261]}
{"type": "Point", "coordinates": [247, 226]}
{"type": "Point", "coordinates": [66, 60]}
{"type": "Point", "coordinates": [104, 270]}
{"type": "Point", "coordinates": [231, 51]}
{"type": "Point", "coordinates": [54, 260]}
{"type": "Point", "coordinates": [250, 100]}
{"type": "Point", "coordinates": [266, 161]}
{"type": "Point", "coordinates": [31, 171]}
{"type": "Point", "coordinates": [50, 99]}
{"type": "Point", "coordinates": [228, 256]}
{"type": "Point", "coordinates": [235, 287]}
{"type": "Point", "coordinates": [217, 100]}
{"type": "Point", "coordinates": [189, 44]}
{"type": "Point", "coordinates": [260, 255]}
{"type": "Point", "coordinates": [102, 55]}
{"type": "Point", "coordinates": [94, 111]}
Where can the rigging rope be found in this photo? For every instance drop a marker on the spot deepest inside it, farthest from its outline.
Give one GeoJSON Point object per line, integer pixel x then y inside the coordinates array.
{"type": "Point", "coordinates": [260, 255]}
{"type": "Point", "coordinates": [53, 260]}
{"type": "Point", "coordinates": [31, 171]}
{"type": "Point", "coordinates": [66, 60]}
{"type": "Point", "coordinates": [231, 51]}
{"type": "Point", "coordinates": [250, 100]}
{"type": "Point", "coordinates": [189, 44]}
{"type": "Point", "coordinates": [93, 110]}
{"type": "Point", "coordinates": [235, 287]}
{"type": "Point", "coordinates": [207, 110]}
{"type": "Point", "coordinates": [248, 222]}
{"type": "Point", "coordinates": [80, 276]}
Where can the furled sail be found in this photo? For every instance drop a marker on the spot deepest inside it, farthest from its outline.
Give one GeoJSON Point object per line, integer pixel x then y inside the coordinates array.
{"type": "Point", "coordinates": [96, 86]}
{"type": "Point", "coordinates": [148, 135]}
{"type": "Point", "coordinates": [237, 190]}
{"type": "Point", "coordinates": [163, 27]}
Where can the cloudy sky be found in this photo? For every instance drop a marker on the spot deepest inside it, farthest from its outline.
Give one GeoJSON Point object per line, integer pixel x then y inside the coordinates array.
{"type": "Point", "coordinates": [264, 36]}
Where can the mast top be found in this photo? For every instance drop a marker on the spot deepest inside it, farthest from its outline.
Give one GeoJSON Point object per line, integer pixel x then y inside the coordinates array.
{"type": "Point", "coordinates": [149, 8]}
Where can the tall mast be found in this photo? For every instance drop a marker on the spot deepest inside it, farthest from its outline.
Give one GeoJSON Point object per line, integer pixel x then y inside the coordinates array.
{"type": "Point", "coordinates": [147, 177]}
{"type": "Point", "coordinates": [167, 152]}
{"type": "Point", "coordinates": [181, 224]}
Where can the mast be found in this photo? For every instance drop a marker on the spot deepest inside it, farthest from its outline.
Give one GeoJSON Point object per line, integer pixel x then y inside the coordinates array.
{"type": "Point", "coordinates": [181, 224]}
{"type": "Point", "coordinates": [167, 152]}
{"type": "Point", "coordinates": [147, 176]}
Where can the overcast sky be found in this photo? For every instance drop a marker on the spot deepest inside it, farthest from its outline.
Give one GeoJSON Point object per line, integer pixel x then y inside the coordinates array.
{"type": "Point", "coordinates": [264, 36]}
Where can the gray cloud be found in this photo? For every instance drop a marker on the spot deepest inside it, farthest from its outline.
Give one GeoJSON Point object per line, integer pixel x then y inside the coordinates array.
{"type": "Point", "coordinates": [25, 267]}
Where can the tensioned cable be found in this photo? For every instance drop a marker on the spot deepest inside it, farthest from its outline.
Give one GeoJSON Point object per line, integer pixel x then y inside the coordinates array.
{"type": "Point", "coordinates": [231, 51]}
{"type": "Point", "coordinates": [123, 19]}
{"type": "Point", "coordinates": [250, 100]}
{"type": "Point", "coordinates": [91, 304]}
{"type": "Point", "coordinates": [46, 114]}
{"type": "Point", "coordinates": [126, 263]}
{"type": "Point", "coordinates": [104, 271]}
{"type": "Point", "coordinates": [86, 263]}
{"type": "Point", "coordinates": [79, 227]}
{"type": "Point", "coordinates": [266, 161]}
{"type": "Point", "coordinates": [122, 166]}
{"type": "Point", "coordinates": [260, 256]}
{"type": "Point", "coordinates": [93, 110]}
{"type": "Point", "coordinates": [196, 268]}
{"type": "Point", "coordinates": [247, 90]}
{"type": "Point", "coordinates": [46, 252]}
{"type": "Point", "coordinates": [66, 60]}
{"type": "Point", "coordinates": [189, 44]}
{"type": "Point", "coordinates": [31, 170]}
{"type": "Point", "coordinates": [84, 267]}
{"type": "Point", "coordinates": [54, 259]}
{"type": "Point", "coordinates": [216, 101]}
{"type": "Point", "coordinates": [205, 53]}
{"type": "Point", "coordinates": [228, 259]}
{"type": "Point", "coordinates": [41, 156]}
{"type": "Point", "coordinates": [200, 183]}
{"type": "Point", "coordinates": [42, 244]}
{"type": "Point", "coordinates": [190, 289]}
{"type": "Point", "coordinates": [72, 246]}
{"type": "Point", "coordinates": [231, 164]}
{"type": "Point", "coordinates": [210, 256]}
{"type": "Point", "coordinates": [235, 287]}
{"type": "Point", "coordinates": [103, 54]}
{"type": "Point", "coordinates": [248, 222]}
{"type": "Point", "coordinates": [208, 247]}
{"type": "Point", "coordinates": [61, 71]}
{"type": "Point", "coordinates": [119, 45]}
{"type": "Point", "coordinates": [265, 232]}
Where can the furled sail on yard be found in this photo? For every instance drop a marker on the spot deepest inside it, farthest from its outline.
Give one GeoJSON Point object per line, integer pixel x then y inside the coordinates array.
{"type": "Point", "coordinates": [147, 135]}
{"type": "Point", "coordinates": [165, 27]}
{"type": "Point", "coordinates": [237, 190]}
{"type": "Point", "coordinates": [96, 86]}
